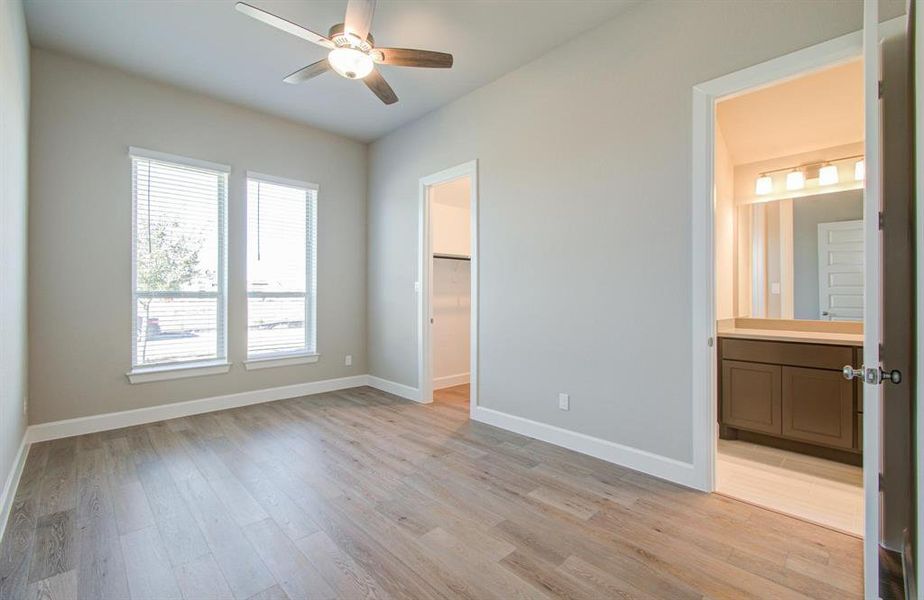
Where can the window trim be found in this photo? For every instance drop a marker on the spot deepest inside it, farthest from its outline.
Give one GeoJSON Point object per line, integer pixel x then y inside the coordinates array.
{"type": "Point", "coordinates": [310, 354]}
{"type": "Point", "coordinates": [294, 183]}
{"type": "Point", "coordinates": [198, 367]}
{"type": "Point", "coordinates": [136, 152]}
{"type": "Point", "coordinates": [280, 360]}
{"type": "Point", "coordinates": [178, 371]}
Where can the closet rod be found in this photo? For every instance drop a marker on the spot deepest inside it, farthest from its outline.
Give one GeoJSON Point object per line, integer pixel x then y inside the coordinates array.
{"type": "Point", "coordinates": [452, 256]}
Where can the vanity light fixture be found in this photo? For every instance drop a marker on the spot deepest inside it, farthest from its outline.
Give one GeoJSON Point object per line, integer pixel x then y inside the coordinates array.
{"type": "Point", "coordinates": [797, 176]}
{"type": "Point", "coordinates": [764, 185]}
{"type": "Point", "coordinates": [827, 175]}
{"type": "Point", "coordinates": [795, 180]}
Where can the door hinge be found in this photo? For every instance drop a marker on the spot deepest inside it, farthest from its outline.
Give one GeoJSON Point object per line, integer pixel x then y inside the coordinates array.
{"type": "Point", "coordinates": [881, 220]}
{"type": "Point", "coordinates": [881, 88]}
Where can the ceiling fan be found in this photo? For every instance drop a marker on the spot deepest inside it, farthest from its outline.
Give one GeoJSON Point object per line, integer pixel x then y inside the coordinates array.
{"type": "Point", "coordinates": [352, 49]}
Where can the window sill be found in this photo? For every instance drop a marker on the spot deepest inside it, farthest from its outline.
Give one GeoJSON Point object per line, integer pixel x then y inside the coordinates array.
{"type": "Point", "coordinates": [198, 369]}
{"type": "Point", "coordinates": [280, 361]}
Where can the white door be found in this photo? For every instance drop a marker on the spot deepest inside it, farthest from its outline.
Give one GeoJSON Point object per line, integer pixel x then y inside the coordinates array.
{"type": "Point", "coordinates": [872, 314]}
{"type": "Point", "coordinates": [840, 271]}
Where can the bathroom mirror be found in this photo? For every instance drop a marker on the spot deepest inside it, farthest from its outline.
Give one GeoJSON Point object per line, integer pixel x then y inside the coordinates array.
{"type": "Point", "coordinates": [802, 258]}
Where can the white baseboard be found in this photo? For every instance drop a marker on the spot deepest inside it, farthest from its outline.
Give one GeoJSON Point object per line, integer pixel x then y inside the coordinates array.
{"type": "Point", "coordinates": [398, 389]}
{"type": "Point", "coordinates": [12, 483]}
{"type": "Point", "coordinates": [140, 416]}
{"type": "Point", "coordinates": [450, 380]}
{"type": "Point", "coordinates": [633, 458]}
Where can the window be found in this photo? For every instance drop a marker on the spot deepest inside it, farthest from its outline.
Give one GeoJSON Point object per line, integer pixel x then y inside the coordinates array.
{"type": "Point", "coordinates": [178, 270]}
{"type": "Point", "coordinates": [281, 234]}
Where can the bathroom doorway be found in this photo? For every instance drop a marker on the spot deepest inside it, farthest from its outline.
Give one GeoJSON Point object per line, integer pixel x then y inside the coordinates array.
{"type": "Point", "coordinates": [779, 394]}
{"type": "Point", "coordinates": [789, 177]}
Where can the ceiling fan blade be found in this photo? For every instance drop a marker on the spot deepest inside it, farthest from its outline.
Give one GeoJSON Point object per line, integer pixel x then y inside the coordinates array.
{"type": "Point", "coordinates": [380, 87]}
{"type": "Point", "coordinates": [408, 57]}
{"type": "Point", "coordinates": [280, 23]}
{"type": "Point", "coordinates": [358, 20]}
{"type": "Point", "coordinates": [306, 73]}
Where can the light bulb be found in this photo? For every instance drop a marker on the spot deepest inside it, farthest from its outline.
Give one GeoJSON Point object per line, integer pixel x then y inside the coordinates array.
{"type": "Point", "coordinates": [827, 175]}
{"type": "Point", "coordinates": [350, 62]}
{"type": "Point", "coordinates": [859, 171]}
{"type": "Point", "coordinates": [795, 180]}
{"type": "Point", "coordinates": [764, 185]}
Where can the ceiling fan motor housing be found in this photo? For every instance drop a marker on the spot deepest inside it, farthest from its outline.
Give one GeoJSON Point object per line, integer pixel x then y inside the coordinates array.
{"type": "Point", "coordinates": [351, 56]}
{"type": "Point", "coordinates": [341, 38]}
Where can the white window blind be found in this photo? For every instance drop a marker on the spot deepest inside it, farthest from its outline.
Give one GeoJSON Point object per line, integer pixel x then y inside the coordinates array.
{"type": "Point", "coordinates": [178, 271]}
{"type": "Point", "coordinates": [281, 267]}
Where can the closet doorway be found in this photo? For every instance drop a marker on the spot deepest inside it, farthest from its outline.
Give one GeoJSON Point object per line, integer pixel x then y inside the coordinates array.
{"type": "Point", "coordinates": [448, 284]}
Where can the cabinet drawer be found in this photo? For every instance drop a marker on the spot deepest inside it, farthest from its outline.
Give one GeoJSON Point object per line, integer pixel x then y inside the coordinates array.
{"type": "Point", "coordinates": [751, 396]}
{"type": "Point", "coordinates": [816, 356]}
{"type": "Point", "coordinates": [818, 407]}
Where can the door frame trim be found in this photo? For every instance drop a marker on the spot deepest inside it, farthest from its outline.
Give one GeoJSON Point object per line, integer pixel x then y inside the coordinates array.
{"type": "Point", "coordinates": [425, 278]}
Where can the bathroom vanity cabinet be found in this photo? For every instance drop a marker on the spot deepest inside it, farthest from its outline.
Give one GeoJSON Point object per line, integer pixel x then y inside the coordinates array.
{"type": "Point", "coordinates": [791, 395]}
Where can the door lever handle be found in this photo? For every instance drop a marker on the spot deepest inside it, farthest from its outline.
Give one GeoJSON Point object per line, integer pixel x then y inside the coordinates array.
{"type": "Point", "coordinates": [893, 376]}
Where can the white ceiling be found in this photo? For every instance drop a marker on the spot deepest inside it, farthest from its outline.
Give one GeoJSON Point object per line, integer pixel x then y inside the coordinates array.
{"type": "Point", "coordinates": [820, 110]}
{"type": "Point", "coordinates": [207, 46]}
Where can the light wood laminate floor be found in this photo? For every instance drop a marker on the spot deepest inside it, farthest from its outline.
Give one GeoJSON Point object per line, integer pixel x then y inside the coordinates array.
{"type": "Point", "coordinates": [820, 491]}
{"type": "Point", "coordinates": [358, 494]}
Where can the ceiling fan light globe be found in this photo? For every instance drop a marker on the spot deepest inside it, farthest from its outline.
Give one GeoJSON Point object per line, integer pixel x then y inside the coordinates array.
{"type": "Point", "coordinates": [350, 62]}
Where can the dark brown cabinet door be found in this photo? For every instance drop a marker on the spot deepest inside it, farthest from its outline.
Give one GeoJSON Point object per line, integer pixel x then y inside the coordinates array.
{"type": "Point", "coordinates": [818, 407]}
{"type": "Point", "coordinates": [751, 396]}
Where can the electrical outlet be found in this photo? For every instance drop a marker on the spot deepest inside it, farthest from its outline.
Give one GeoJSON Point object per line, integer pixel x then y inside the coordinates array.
{"type": "Point", "coordinates": [348, 360]}
{"type": "Point", "coordinates": [25, 405]}
{"type": "Point", "coordinates": [564, 402]}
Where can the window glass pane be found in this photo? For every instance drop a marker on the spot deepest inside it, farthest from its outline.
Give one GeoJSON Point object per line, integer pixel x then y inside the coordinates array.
{"type": "Point", "coordinates": [280, 269]}
{"type": "Point", "coordinates": [178, 270]}
{"type": "Point", "coordinates": [176, 329]}
{"type": "Point", "coordinates": [276, 217]}
{"type": "Point", "coordinates": [275, 325]}
{"type": "Point", "coordinates": [177, 227]}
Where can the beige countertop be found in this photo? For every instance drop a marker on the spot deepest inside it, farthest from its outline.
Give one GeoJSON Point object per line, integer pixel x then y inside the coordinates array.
{"type": "Point", "coordinates": [805, 337]}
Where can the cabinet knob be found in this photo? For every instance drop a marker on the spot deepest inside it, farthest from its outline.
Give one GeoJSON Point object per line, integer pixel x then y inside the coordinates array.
{"type": "Point", "coordinates": [851, 373]}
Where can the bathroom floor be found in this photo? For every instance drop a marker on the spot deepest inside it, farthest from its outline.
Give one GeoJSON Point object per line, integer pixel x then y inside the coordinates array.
{"type": "Point", "coordinates": [820, 491]}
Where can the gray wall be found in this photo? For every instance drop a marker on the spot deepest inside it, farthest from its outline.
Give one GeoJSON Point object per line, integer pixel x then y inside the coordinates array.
{"type": "Point", "coordinates": [807, 213]}
{"type": "Point", "coordinates": [14, 152]}
{"type": "Point", "coordinates": [585, 234]}
{"type": "Point", "coordinates": [84, 117]}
